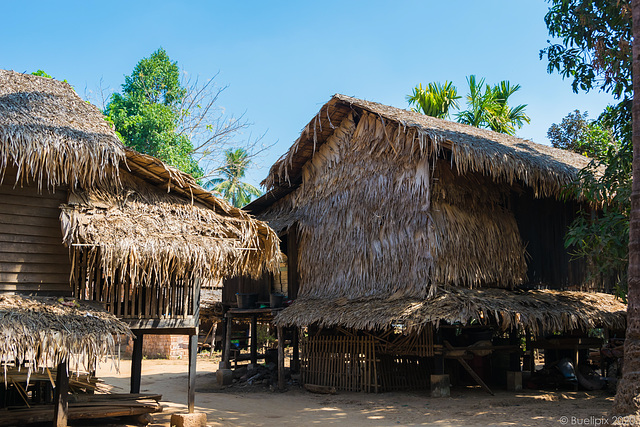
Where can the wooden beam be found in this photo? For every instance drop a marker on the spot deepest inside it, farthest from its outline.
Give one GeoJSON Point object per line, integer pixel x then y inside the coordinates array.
{"type": "Point", "coordinates": [254, 339]}
{"type": "Point", "coordinates": [280, 358]}
{"type": "Point", "coordinates": [61, 396]}
{"type": "Point", "coordinates": [227, 344]}
{"type": "Point", "coordinates": [193, 357]}
{"type": "Point", "coordinates": [295, 362]}
{"type": "Point", "coordinates": [468, 368]}
{"type": "Point", "coordinates": [171, 326]}
{"type": "Point", "coordinates": [136, 363]}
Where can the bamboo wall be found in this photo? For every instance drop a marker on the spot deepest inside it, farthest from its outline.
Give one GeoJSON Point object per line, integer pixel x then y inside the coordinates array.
{"type": "Point", "coordinates": [122, 298]}
{"type": "Point", "coordinates": [33, 259]}
{"type": "Point", "coordinates": [347, 363]}
{"type": "Point", "coordinates": [351, 361]}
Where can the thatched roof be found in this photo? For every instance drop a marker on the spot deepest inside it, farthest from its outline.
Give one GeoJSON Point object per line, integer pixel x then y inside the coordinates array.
{"type": "Point", "coordinates": [145, 218]}
{"type": "Point", "coordinates": [540, 311]}
{"type": "Point", "coordinates": [42, 332]}
{"type": "Point", "coordinates": [52, 135]}
{"type": "Point", "coordinates": [141, 233]}
{"type": "Point", "coordinates": [503, 157]}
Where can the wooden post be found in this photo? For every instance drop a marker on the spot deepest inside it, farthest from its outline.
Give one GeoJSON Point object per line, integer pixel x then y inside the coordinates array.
{"type": "Point", "coordinates": [280, 359]}
{"type": "Point", "coordinates": [532, 353]}
{"type": "Point", "coordinates": [514, 357]}
{"type": "Point", "coordinates": [224, 334]}
{"type": "Point", "coordinates": [295, 362]}
{"type": "Point", "coordinates": [136, 363]}
{"type": "Point", "coordinates": [227, 343]}
{"type": "Point", "coordinates": [193, 357]}
{"type": "Point", "coordinates": [254, 340]}
{"type": "Point", "coordinates": [438, 358]}
{"type": "Point", "coordinates": [61, 396]}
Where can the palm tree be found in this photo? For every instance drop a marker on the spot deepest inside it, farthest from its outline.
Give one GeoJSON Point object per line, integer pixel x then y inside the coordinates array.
{"type": "Point", "coordinates": [434, 100]}
{"type": "Point", "coordinates": [229, 185]}
{"type": "Point", "coordinates": [503, 118]}
{"type": "Point", "coordinates": [490, 108]}
{"type": "Point", "coordinates": [478, 104]}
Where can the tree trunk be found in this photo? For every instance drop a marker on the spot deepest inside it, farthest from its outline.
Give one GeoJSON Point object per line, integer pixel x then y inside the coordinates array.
{"type": "Point", "coordinates": [627, 399]}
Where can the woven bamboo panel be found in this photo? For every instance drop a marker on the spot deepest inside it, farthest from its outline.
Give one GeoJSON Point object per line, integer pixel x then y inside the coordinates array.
{"type": "Point", "coordinates": [404, 372]}
{"type": "Point", "coordinates": [347, 363]}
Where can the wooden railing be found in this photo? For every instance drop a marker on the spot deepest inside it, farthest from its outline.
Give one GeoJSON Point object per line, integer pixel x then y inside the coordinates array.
{"type": "Point", "coordinates": [144, 306]}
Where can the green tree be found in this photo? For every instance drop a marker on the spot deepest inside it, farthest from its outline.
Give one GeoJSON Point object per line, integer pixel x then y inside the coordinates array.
{"type": "Point", "coordinates": [230, 184]}
{"type": "Point", "coordinates": [147, 112]}
{"type": "Point", "coordinates": [595, 51]}
{"type": "Point", "coordinates": [488, 107]}
{"type": "Point", "coordinates": [434, 100]}
{"type": "Point", "coordinates": [583, 136]}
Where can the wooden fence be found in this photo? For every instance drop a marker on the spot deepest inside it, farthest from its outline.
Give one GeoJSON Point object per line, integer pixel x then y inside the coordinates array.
{"type": "Point", "coordinates": [347, 363]}
{"type": "Point", "coordinates": [364, 361]}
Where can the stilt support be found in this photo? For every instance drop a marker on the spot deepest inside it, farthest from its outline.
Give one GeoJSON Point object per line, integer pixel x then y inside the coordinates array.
{"type": "Point", "coordinates": [280, 358]}
{"type": "Point", "coordinates": [193, 357]}
{"type": "Point", "coordinates": [61, 396]}
{"type": "Point", "coordinates": [136, 363]}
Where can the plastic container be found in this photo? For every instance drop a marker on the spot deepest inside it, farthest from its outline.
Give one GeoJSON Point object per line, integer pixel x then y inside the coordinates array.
{"type": "Point", "coordinates": [246, 301]}
{"type": "Point", "coordinates": [275, 300]}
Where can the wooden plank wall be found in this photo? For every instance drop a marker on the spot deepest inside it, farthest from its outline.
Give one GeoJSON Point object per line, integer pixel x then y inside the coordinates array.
{"type": "Point", "coordinates": [33, 259]}
{"type": "Point", "coordinates": [543, 224]}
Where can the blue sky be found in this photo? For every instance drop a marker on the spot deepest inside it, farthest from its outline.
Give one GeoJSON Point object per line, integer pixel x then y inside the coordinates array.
{"type": "Point", "coordinates": [283, 60]}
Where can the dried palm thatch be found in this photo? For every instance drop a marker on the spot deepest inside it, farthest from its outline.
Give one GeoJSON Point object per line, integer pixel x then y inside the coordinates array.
{"type": "Point", "coordinates": [503, 157]}
{"type": "Point", "coordinates": [141, 234]}
{"type": "Point", "coordinates": [42, 332]}
{"type": "Point", "coordinates": [53, 136]}
{"type": "Point", "coordinates": [156, 222]}
{"type": "Point", "coordinates": [474, 239]}
{"type": "Point", "coordinates": [540, 311]}
{"type": "Point", "coordinates": [370, 225]}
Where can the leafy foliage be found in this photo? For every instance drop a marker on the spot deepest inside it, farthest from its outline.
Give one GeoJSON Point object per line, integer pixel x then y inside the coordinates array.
{"type": "Point", "coordinates": [147, 113]}
{"type": "Point", "coordinates": [435, 99]}
{"type": "Point", "coordinates": [490, 108]}
{"type": "Point", "coordinates": [601, 236]}
{"type": "Point", "coordinates": [230, 184]}
{"type": "Point", "coordinates": [41, 73]}
{"type": "Point", "coordinates": [487, 106]}
{"type": "Point", "coordinates": [589, 138]}
{"type": "Point", "coordinates": [595, 48]}
{"type": "Point", "coordinates": [595, 52]}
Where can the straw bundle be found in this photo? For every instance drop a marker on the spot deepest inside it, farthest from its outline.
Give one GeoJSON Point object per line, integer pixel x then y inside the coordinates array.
{"type": "Point", "coordinates": [141, 234]}
{"type": "Point", "coordinates": [53, 136]}
{"type": "Point", "coordinates": [42, 332]}
{"type": "Point", "coordinates": [540, 311]}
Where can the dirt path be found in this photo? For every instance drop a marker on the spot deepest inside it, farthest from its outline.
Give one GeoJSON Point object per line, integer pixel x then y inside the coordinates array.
{"type": "Point", "coordinates": [296, 407]}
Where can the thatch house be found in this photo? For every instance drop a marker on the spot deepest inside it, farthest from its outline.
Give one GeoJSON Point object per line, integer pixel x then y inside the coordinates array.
{"type": "Point", "coordinates": [398, 222]}
{"type": "Point", "coordinates": [84, 217]}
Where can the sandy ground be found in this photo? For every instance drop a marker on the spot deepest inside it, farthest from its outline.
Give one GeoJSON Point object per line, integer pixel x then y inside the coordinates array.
{"type": "Point", "coordinates": [296, 407]}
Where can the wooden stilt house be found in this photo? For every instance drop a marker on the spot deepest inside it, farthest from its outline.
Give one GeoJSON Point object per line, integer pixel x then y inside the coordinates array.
{"type": "Point", "coordinates": [84, 217]}
{"type": "Point", "coordinates": [400, 226]}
